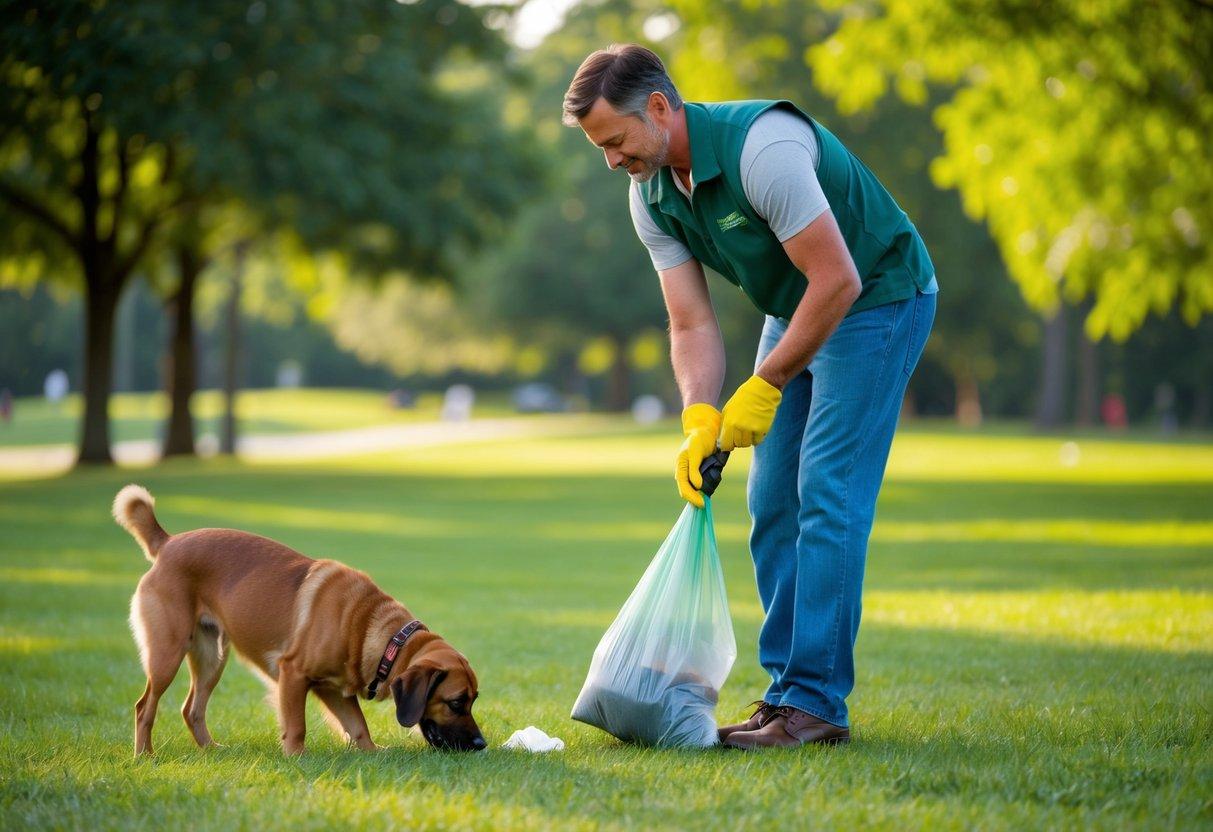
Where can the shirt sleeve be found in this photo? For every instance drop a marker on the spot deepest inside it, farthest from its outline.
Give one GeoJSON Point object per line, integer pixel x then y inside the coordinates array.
{"type": "Point", "coordinates": [665, 251]}
{"type": "Point", "coordinates": [778, 173]}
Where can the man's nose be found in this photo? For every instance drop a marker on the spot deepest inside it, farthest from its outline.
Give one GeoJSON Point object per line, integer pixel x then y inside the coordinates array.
{"type": "Point", "coordinates": [613, 158]}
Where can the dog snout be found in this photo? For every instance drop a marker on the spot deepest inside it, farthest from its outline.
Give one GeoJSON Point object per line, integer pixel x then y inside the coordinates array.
{"type": "Point", "coordinates": [453, 738]}
{"type": "Point", "coordinates": [468, 742]}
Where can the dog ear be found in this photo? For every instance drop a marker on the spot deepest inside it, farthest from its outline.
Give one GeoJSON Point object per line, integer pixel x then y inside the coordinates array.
{"type": "Point", "coordinates": [412, 690]}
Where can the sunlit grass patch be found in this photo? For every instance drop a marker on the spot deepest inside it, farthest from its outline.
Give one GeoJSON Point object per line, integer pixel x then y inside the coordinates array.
{"type": "Point", "coordinates": [1029, 530]}
{"type": "Point", "coordinates": [141, 415]}
{"type": "Point", "coordinates": [976, 457]}
{"type": "Point", "coordinates": [1036, 649]}
{"type": "Point", "coordinates": [1174, 620]}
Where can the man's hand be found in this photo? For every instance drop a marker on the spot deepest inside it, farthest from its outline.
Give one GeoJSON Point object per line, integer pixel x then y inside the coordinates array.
{"type": "Point", "coordinates": [747, 416]}
{"type": "Point", "coordinates": [700, 426]}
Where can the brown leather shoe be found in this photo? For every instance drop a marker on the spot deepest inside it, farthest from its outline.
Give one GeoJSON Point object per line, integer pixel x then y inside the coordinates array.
{"type": "Point", "coordinates": [789, 728]}
{"type": "Point", "coordinates": [763, 711]}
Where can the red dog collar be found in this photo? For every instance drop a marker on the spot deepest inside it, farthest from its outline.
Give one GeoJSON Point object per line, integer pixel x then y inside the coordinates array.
{"type": "Point", "coordinates": [391, 652]}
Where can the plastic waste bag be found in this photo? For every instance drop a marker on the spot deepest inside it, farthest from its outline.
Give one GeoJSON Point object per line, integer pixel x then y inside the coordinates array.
{"type": "Point", "coordinates": [656, 673]}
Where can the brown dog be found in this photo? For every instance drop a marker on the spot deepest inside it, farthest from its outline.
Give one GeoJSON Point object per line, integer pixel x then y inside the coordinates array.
{"type": "Point", "coordinates": [302, 624]}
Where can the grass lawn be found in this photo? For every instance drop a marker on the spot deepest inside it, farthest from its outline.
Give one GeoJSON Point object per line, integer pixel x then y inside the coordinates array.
{"type": "Point", "coordinates": [1037, 648]}
{"type": "Point", "coordinates": [142, 415]}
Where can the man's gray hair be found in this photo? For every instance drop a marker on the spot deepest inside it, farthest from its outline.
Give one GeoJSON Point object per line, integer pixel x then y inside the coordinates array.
{"type": "Point", "coordinates": [625, 74]}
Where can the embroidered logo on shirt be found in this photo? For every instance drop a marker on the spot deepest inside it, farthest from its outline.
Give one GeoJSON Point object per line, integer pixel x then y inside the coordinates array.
{"type": "Point", "coordinates": [733, 220]}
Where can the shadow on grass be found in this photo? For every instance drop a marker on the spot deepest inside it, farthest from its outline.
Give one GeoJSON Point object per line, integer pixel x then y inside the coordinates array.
{"type": "Point", "coordinates": [975, 722]}
{"type": "Point", "coordinates": [493, 530]}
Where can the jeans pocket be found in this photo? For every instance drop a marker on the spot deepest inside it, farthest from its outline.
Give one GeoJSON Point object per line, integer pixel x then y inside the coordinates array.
{"type": "Point", "coordinates": [854, 361]}
{"type": "Point", "coordinates": [920, 327]}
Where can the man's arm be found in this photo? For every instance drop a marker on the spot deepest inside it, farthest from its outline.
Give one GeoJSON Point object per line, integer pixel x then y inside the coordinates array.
{"type": "Point", "coordinates": [821, 254]}
{"type": "Point", "coordinates": [696, 348]}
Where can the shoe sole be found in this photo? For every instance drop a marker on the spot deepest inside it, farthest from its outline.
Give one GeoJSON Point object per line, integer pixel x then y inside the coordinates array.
{"type": "Point", "coordinates": [830, 741]}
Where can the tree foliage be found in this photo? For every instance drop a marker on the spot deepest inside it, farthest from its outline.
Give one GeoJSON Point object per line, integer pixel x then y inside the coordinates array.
{"type": "Point", "coordinates": [359, 125]}
{"type": "Point", "coordinates": [571, 272]}
{"type": "Point", "coordinates": [718, 49]}
{"type": "Point", "coordinates": [1077, 130]}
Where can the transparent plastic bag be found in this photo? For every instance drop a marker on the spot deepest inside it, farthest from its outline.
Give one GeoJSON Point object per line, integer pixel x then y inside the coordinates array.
{"type": "Point", "coordinates": [655, 675]}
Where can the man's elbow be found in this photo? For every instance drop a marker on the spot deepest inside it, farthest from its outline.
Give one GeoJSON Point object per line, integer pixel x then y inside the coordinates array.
{"type": "Point", "coordinates": [853, 288]}
{"type": "Point", "coordinates": [847, 286]}
{"type": "Point", "coordinates": [700, 326]}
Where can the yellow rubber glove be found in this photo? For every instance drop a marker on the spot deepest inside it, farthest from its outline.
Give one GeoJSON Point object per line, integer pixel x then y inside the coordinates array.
{"type": "Point", "coordinates": [700, 426]}
{"type": "Point", "coordinates": [747, 416]}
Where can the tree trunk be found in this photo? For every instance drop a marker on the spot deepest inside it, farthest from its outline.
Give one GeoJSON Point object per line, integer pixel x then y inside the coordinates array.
{"type": "Point", "coordinates": [1051, 400]}
{"type": "Point", "coordinates": [1086, 409]}
{"type": "Point", "coordinates": [1202, 406]}
{"type": "Point", "coordinates": [125, 344]}
{"type": "Point", "coordinates": [968, 401]}
{"type": "Point", "coordinates": [619, 386]}
{"type": "Point", "coordinates": [101, 301]}
{"type": "Point", "coordinates": [102, 290]}
{"type": "Point", "coordinates": [231, 362]}
{"type": "Point", "coordinates": [179, 437]}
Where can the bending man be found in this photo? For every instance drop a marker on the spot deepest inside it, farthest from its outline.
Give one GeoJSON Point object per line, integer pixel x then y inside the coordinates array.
{"type": "Point", "coordinates": [764, 195]}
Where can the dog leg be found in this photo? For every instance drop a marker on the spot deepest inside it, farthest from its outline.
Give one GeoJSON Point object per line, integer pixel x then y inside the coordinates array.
{"type": "Point", "coordinates": [292, 704]}
{"type": "Point", "coordinates": [348, 717]}
{"type": "Point", "coordinates": [163, 641]}
{"type": "Point", "coordinates": [207, 657]}
{"type": "Point", "coordinates": [160, 676]}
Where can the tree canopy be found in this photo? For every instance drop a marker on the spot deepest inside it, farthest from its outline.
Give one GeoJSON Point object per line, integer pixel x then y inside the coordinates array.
{"type": "Point", "coordinates": [367, 126]}
{"type": "Point", "coordinates": [1076, 130]}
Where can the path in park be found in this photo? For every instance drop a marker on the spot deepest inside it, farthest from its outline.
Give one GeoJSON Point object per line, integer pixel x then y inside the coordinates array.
{"type": "Point", "coordinates": [303, 446]}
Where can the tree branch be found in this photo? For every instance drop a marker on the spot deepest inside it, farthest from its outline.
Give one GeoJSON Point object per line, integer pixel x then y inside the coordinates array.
{"type": "Point", "coordinates": [170, 164]}
{"type": "Point", "coordinates": [148, 231]}
{"type": "Point", "coordinates": [126, 264]}
{"type": "Point", "coordinates": [120, 194]}
{"type": "Point", "coordinates": [26, 203]}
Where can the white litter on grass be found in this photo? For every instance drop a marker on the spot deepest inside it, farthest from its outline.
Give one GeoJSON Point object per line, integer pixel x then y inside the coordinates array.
{"type": "Point", "coordinates": [532, 739]}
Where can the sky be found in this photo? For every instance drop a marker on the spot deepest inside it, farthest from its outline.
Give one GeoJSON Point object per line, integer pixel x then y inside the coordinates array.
{"type": "Point", "coordinates": [537, 19]}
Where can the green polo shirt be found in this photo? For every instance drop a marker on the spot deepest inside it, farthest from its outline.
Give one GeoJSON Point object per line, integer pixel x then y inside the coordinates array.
{"type": "Point", "coordinates": [723, 231]}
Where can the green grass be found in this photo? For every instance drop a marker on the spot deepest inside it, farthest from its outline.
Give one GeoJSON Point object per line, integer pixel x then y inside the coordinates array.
{"type": "Point", "coordinates": [1037, 649]}
{"type": "Point", "coordinates": [141, 415]}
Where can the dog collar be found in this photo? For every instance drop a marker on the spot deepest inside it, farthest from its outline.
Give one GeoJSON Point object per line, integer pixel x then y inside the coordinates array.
{"type": "Point", "coordinates": [391, 652]}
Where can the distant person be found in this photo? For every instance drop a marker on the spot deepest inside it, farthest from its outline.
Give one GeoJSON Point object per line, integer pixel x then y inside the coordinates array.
{"type": "Point", "coordinates": [457, 403]}
{"type": "Point", "coordinates": [55, 387]}
{"type": "Point", "coordinates": [401, 399]}
{"type": "Point", "coordinates": [1164, 405]}
{"type": "Point", "coordinates": [6, 405]}
{"type": "Point", "coordinates": [1114, 412]}
{"type": "Point", "coordinates": [771, 200]}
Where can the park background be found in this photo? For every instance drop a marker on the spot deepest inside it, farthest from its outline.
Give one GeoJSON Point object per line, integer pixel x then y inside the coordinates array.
{"type": "Point", "coordinates": [336, 273]}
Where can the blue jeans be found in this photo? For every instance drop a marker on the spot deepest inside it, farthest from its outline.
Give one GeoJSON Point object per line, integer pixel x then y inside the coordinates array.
{"type": "Point", "coordinates": [812, 497]}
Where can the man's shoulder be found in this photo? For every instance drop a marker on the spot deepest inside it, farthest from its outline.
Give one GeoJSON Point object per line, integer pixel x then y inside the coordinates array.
{"type": "Point", "coordinates": [779, 124]}
{"type": "Point", "coordinates": [776, 127]}
{"type": "Point", "coordinates": [735, 113]}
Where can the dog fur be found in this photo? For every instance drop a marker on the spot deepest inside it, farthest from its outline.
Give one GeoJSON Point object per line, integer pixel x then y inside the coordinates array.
{"type": "Point", "coordinates": [302, 624]}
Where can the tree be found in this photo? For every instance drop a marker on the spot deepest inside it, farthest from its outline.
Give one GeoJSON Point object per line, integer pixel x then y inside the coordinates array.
{"type": "Point", "coordinates": [81, 196]}
{"type": "Point", "coordinates": [351, 122]}
{"type": "Point", "coordinates": [721, 50]}
{"type": "Point", "coordinates": [1076, 130]}
{"type": "Point", "coordinates": [571, 271]}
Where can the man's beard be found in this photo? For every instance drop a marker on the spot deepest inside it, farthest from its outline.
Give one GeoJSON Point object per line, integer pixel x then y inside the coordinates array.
{"type": "Point", "coordinates": [657, 161]}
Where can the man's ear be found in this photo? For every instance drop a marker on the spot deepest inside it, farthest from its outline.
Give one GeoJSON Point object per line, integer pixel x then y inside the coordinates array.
{"type": "Point", "coordinates": [412, 690]}
{"type": "Point", "coordinates": [658, 106]}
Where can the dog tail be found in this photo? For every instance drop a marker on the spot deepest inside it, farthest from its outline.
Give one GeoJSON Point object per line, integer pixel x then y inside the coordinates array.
{"type": "Point", "coordinates": [133, 511]}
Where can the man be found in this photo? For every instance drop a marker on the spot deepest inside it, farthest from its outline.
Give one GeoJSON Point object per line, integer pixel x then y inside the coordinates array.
{"type": "Point", "coordinates": [771, 200]}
